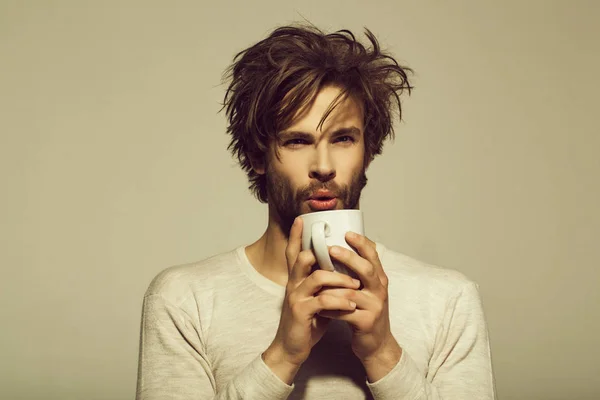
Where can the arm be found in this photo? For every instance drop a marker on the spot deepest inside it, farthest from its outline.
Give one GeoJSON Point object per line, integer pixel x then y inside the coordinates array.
{"type": "Point", "coordinates": [173, 364]}
{"type": "Point", "coordinates": [460, 367]}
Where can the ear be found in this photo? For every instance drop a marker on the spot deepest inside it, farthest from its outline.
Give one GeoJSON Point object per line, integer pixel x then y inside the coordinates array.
{"type": "Point", "coordinates": [258, 165]}
{"type": "Point", "coordinates": [368, 162]}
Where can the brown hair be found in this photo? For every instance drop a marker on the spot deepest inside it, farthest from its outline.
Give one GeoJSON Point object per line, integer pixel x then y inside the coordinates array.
{"type": "Point", "coordinates": [280, 75]}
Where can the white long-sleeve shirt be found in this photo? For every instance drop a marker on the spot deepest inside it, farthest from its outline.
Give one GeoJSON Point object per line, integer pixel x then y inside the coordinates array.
{"type": "Point", "coordinates": [205, 325]}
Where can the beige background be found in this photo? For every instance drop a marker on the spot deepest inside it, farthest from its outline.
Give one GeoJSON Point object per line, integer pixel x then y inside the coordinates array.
{"type": "Point", "coordinates": [113, 167]}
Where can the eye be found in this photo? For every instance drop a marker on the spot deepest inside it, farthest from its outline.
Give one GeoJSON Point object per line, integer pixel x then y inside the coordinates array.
{"type": "Point", "coordinates": [294, 143]}
{"type": "Point", "coordinates": [345, 139]}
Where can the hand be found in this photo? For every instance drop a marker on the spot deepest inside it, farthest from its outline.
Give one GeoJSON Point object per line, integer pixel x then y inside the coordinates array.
{"type": "Point", "coordinates": [372, 340]}
{"type": "Point", "coordinates": [300, 326]}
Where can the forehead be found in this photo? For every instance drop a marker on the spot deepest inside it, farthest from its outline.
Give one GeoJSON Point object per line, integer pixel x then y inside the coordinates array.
{"type": "Point", "coordinates": [346, 112]}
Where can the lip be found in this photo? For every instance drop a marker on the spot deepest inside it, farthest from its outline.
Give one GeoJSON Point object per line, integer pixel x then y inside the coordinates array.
{"type": "Point", "coordinates": [322, 193]}
{"type": "Point", "coordinates": [323, 205]}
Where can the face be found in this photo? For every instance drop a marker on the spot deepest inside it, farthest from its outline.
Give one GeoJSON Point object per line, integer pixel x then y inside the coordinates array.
{"type": "Point", "coordinates": [320, 169]}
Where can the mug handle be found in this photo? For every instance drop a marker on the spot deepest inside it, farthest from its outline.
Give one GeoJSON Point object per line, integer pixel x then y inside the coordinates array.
{"type": "Point", "coordinates": [319, 230]}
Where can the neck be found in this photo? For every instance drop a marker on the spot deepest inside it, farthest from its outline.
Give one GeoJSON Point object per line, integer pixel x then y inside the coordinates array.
{"type": "Point", "coordinates": [267, 254]}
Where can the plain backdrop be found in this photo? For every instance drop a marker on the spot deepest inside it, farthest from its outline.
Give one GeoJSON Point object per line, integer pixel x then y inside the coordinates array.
{"type": "Point", "coordinates": [114, 166]}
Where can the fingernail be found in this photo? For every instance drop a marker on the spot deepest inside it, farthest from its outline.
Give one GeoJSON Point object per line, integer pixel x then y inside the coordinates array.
{"type": "Point", "coordinates": [352, 304]}
{"type": "Point", "coordinates": [352, 235]}
{"type": "Point", "coordinates": [335, 250]}
{"type": "Point", "coordinates": [356, 282]}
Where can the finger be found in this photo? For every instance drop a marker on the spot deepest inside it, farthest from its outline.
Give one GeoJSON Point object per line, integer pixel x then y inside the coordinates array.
{"type": "Point", "coordinates": [363, 300]}
{"type": "Point", "coordinates": [367, 249]}
{"type": "Point", "coordinates": [294, 244]}
{"type": "Point", "coordinates": [363, 268]}
{"type": "Point", "coordinates": [359, 319]}
{"type": "Point", "coordinates": [317, 304]}
{"type": "Point", "coordinates": [321, 278]}
{"type": "Point", "coordinates": [335, 314]}
{"type": "Point", "coordinates": [303, 266]}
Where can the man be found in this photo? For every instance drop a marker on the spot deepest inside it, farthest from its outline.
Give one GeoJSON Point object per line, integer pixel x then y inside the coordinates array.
{"type": "Point", "coordinates": [307, 114]}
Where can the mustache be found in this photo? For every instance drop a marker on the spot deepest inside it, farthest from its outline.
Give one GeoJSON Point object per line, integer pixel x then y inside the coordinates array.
{"type": "Point", "coordinates": [330, 186]}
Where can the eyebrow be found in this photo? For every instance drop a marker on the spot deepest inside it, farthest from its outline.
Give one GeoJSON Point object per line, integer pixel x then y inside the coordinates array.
{"type": "Point", "coordinates": [287, 135]}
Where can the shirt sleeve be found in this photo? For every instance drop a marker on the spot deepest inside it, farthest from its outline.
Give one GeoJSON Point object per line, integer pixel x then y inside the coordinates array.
{"type": "Point", "coordinates": [173, 364]}
{"type": "Point", "coordinates": [460, 367]}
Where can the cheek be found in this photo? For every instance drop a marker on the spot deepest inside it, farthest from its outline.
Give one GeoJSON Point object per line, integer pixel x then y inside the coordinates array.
{"type": "Point", "coordinates": [348, 163]}
{"type": "Point", "coordinates": [293, 171]}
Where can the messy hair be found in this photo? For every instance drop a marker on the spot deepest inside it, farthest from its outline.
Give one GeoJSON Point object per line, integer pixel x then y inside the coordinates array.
{"type": "Point", "coordinates": [279, 77]}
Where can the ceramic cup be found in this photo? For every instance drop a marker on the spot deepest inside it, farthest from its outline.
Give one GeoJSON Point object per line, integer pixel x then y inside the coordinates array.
{"type": "Point", "coordinates": [323, 229]}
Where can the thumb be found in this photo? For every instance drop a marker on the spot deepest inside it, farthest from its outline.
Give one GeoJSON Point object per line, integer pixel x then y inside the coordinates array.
{"type": "Point", "coordinates": [294, 244]}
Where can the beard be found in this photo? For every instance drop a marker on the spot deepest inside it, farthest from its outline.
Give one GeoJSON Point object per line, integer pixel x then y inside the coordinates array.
{"type": "Point", "coordinates": [287, 203]}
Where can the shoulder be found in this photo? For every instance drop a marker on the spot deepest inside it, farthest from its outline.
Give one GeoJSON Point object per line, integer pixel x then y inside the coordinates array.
{"type": "Point", "coordinates": [178, 283]}
{"type": "Point", "coordinates": [421, 277]}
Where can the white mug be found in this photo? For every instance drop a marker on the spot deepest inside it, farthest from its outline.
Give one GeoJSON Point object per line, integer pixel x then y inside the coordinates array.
{"type": "Point", "coordinates": [322, 229]}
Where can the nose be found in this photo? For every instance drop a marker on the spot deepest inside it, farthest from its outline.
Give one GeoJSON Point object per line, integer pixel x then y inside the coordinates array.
{"type": "Point", "coordinates": [322, 167]}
